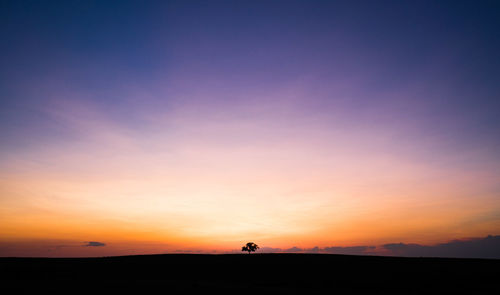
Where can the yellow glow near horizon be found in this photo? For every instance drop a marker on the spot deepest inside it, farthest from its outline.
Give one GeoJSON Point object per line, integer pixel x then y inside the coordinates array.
{"type": "Point", "coordinates": [212, 187]}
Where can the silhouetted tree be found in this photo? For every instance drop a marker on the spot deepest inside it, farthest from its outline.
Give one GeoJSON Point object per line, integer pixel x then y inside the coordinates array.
{"type": "Point", "coordinates": [250, 247]}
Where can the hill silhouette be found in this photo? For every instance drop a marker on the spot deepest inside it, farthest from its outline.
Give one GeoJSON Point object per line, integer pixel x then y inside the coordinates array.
{"type": "Point", "coordinates": [342, 274]}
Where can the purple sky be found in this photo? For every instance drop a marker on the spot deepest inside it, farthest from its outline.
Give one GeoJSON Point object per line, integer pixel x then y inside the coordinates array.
{"type": "Point", "coordinates": [325, 122]}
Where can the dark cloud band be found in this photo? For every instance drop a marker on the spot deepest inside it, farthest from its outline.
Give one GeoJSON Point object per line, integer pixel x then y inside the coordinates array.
{"type": "Point", "coordinates": [94, 244]}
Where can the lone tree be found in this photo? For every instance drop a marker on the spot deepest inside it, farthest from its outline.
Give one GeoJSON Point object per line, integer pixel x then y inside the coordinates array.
{"type": "Point", "coordinates": [250, 247]}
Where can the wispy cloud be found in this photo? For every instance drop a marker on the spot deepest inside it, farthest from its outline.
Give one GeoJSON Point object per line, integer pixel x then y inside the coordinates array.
{"type": "Point", "coordinates": [355, 250]}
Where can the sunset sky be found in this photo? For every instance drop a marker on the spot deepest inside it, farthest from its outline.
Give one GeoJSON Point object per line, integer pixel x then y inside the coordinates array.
{"type": "Point", "coordinates": [158, 127]}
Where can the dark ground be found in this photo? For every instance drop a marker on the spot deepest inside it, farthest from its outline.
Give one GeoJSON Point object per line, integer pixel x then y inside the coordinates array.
{"type": "Point", "coordinates": [255, 273]}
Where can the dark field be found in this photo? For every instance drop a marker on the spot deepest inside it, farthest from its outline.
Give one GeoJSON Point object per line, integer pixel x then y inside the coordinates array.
{"type": "Point", "coordinates": [255, 273]}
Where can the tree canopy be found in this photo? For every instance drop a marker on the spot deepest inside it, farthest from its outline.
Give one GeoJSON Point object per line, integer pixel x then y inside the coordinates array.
{"type": "Point", "coordinates": [250, 247]}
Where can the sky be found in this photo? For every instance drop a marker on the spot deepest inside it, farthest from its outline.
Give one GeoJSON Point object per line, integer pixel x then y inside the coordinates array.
{"type": "Point", "coordinates": [135, 127]}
